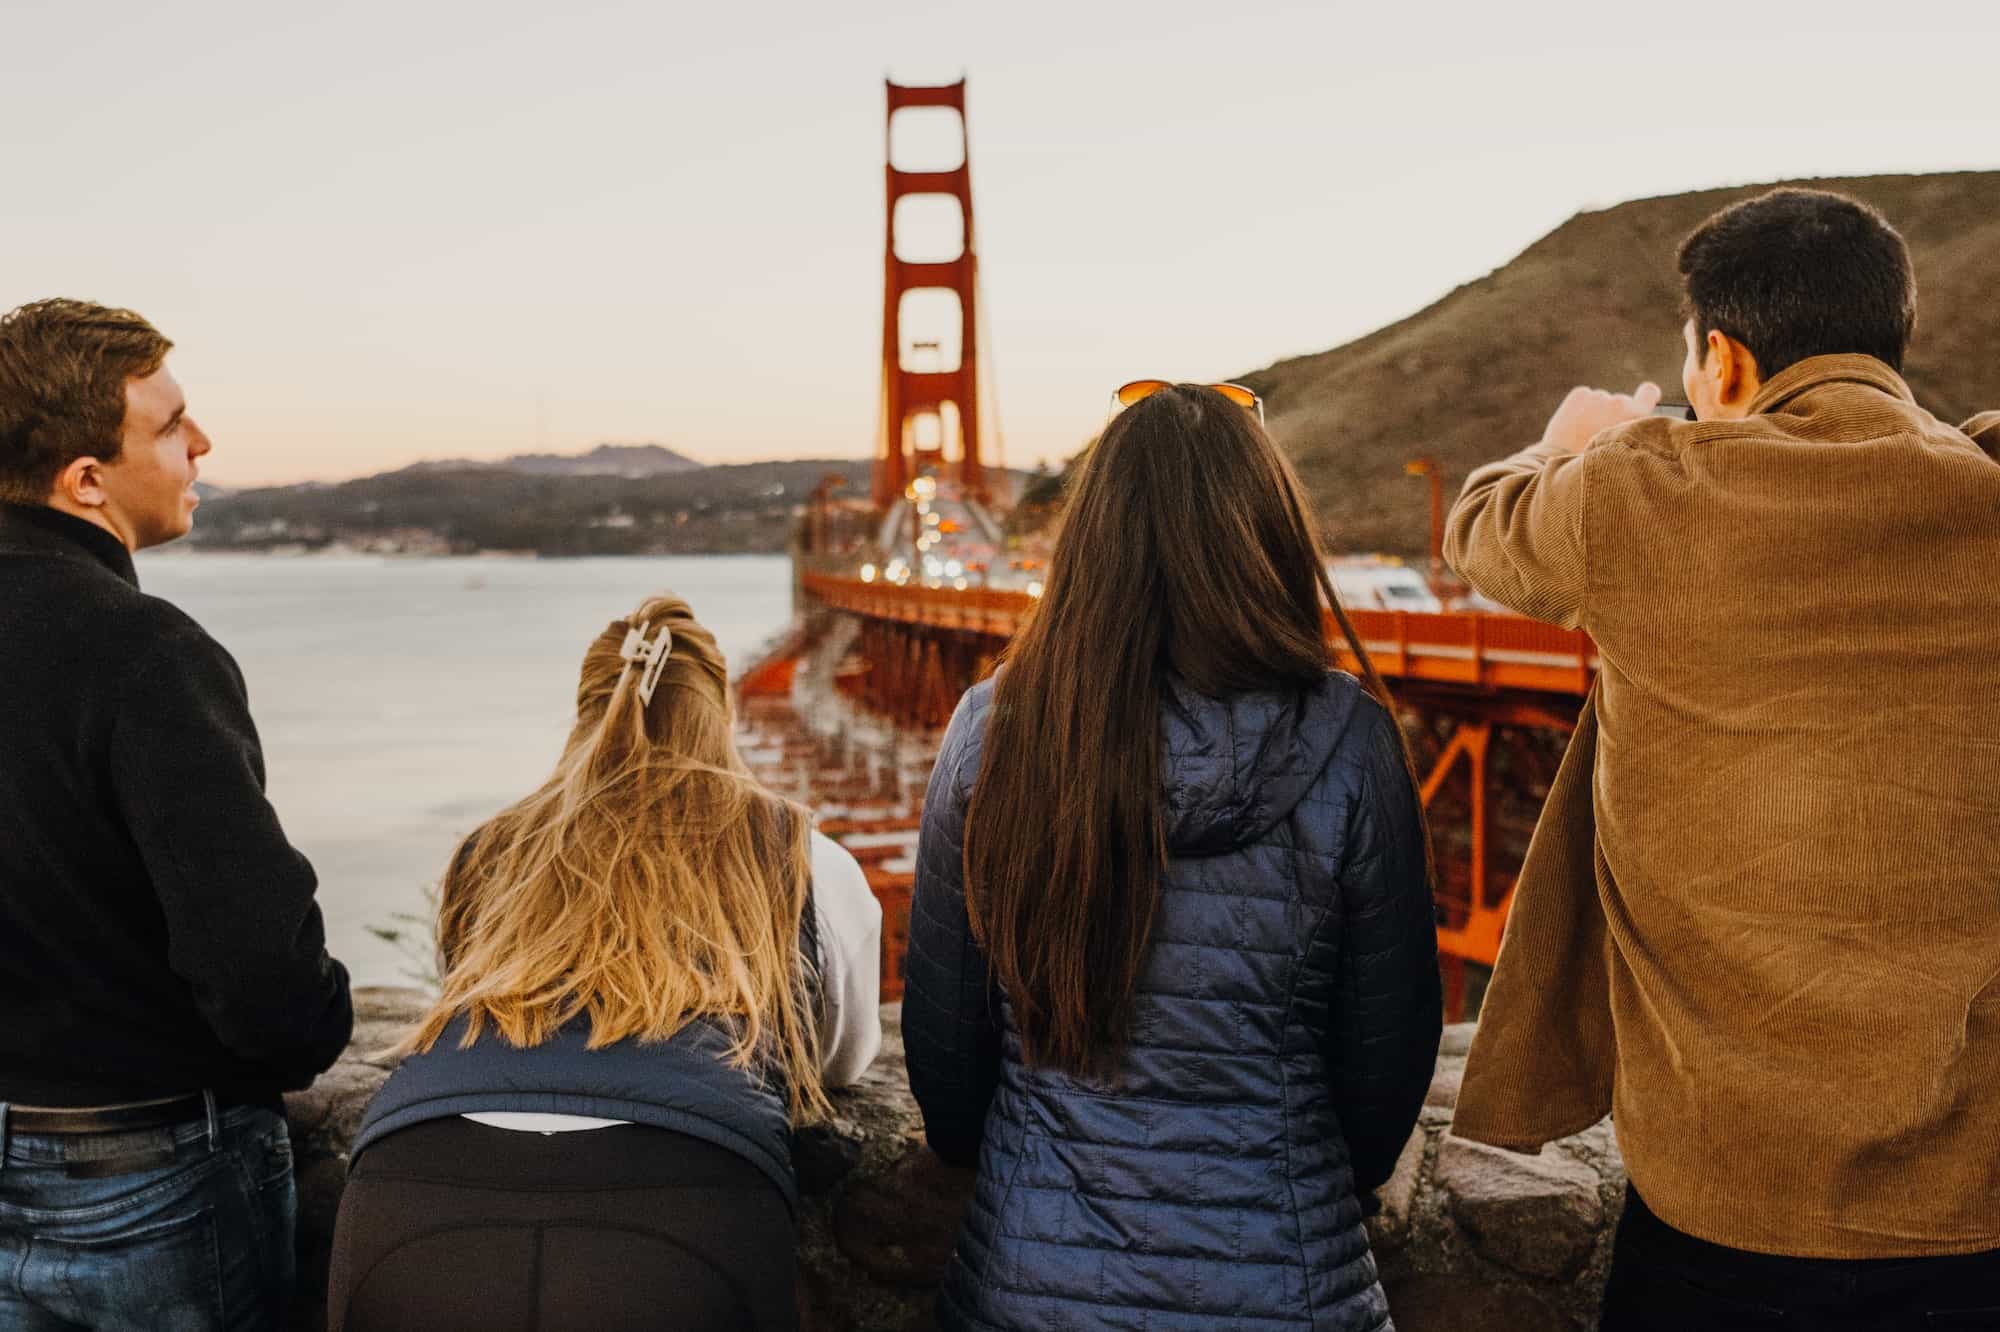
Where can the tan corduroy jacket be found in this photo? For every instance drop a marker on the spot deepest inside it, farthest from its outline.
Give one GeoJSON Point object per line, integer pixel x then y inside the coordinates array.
{"type": "Point", "coordinates": [1760, 918]}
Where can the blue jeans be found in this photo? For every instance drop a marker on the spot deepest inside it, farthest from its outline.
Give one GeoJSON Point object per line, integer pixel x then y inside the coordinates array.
{"type": "Point", "coordinates": [188, 1227]}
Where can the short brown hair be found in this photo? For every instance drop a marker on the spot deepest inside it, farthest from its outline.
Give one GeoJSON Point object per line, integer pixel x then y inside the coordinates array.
{"type": "Point", "coordinates": [63, 367]}
{"type": "Point", "coordinates": [1797, 273]}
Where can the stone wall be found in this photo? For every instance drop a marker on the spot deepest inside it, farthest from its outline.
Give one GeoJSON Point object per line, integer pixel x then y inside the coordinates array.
{"type": "Point", "coordinates": [1470, 1239]}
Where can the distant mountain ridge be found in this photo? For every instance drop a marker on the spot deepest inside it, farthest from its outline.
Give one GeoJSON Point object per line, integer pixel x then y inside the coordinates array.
{"type": "Point", "coordinates": [461, 508]}
{"type": "Point", "coordinates": [626, 460]}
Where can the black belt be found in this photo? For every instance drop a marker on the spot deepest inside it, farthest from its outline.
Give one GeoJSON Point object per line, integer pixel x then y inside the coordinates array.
{"type": "Point", "coordinates": [107, 1119]}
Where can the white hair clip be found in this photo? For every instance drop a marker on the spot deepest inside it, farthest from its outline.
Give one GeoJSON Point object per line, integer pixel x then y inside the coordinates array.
{"type": "Point", "coordinates": [650, 655]}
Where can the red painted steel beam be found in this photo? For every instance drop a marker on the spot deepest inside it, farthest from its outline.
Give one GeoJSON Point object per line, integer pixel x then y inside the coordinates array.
{"type": "Point", "coordinates": [907, 394]}
{"type": "Point", "coordinates": [1479, 653]}
{"type": "Point", "coordinates": [927, 94]}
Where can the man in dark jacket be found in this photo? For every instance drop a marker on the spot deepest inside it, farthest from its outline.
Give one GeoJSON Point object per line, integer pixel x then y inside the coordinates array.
{"type": "Point", "coordinates": [163, 969]}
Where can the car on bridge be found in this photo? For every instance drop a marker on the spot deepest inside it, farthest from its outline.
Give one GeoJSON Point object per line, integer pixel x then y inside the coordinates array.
{"type": "Point", "coordinates": [1381, 582]}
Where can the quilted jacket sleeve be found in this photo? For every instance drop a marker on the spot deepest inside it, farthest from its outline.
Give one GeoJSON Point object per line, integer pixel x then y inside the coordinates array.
{"type": "Point", "coordinates": [1389, 1009]}
{"type": "Point", "coordinates": [951, 1033]}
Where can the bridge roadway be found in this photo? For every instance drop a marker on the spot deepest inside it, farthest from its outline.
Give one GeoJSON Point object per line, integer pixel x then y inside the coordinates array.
{"type": "Point", "coordinates": [1493, 654]}
{"type": "Point", "coordinates": [1490, 698]}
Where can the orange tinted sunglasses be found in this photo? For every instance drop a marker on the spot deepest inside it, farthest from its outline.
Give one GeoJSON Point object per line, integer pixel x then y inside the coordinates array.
{"type": "Point", "coordinates": [1140, 389]}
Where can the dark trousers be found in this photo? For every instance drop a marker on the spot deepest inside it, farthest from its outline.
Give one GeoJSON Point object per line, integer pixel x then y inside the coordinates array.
{"type": "Point", "coordinates": [186, 1229]}
{"type": "Point", "coordinates": [452, 1224]}
{"type": "Point", "coordinates": [1665, 1281]}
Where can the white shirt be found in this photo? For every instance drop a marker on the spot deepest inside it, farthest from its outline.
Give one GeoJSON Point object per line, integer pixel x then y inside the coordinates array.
{"type": "Point", "coordinates": [850, 1022]}
{"type": "Point", "coordinates": [850, 946]}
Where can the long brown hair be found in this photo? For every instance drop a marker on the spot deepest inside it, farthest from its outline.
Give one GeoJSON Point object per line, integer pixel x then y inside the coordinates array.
{"type": "Point", "coordinates": [1186, 550]}
{"type": "Point", "coordinates": [651, 881]}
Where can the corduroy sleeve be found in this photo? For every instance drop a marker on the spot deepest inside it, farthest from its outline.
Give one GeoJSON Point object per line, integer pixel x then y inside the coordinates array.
{"type": "Point", "coordinates": [243, 929]}
{"type": "Point", "coordinates": [951, 1031]}
{"type": "Point", "coordinates": [1517, 534]}
{"type": "Point", "coordinates": [1389, 1010]}
{"type": "Point", "coordinates": [1984, 430]}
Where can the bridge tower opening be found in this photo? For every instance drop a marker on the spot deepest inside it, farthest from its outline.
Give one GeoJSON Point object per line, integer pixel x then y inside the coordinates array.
{"type": "Point", "coordinates": [930, 408]}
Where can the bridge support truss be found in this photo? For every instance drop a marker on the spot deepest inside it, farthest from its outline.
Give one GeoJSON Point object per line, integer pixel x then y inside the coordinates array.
{"type": "Point", "coordinates": [1484, 765]}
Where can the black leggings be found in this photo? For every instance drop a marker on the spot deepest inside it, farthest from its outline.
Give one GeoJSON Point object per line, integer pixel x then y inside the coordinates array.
{"type": "Point", "coordinates": [452, 1224]}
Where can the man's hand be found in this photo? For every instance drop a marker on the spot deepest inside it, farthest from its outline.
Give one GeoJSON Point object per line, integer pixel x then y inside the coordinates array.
{"type": "Point", "coordinates": [1586, 412]}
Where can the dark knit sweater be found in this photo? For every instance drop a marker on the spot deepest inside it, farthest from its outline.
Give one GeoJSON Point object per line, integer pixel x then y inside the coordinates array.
{"type": "Point", "coordinates": [157, 932]}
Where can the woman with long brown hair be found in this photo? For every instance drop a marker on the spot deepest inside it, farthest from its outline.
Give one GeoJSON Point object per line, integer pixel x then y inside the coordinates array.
{"type": "Point", "coordinates": [651, 970]}
{"type": "Point", "coordinates": [1172, 980]}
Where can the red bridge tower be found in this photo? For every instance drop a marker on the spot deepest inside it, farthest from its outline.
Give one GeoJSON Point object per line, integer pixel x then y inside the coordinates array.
{"type": "Point", "coordinates": [915, 399]}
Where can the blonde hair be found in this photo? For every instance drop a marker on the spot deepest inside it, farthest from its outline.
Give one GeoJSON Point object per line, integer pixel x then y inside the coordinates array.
{"type": "Point", "coordinates": [650, 882]}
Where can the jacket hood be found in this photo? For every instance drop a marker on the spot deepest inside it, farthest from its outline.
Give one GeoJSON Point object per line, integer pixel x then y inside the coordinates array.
{"type": "Point", "coordinates": [1234, 767]}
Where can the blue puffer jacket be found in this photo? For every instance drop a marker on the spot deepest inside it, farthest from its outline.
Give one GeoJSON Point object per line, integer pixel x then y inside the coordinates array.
{"type": "Point", "coordinates": [1284, 1032]}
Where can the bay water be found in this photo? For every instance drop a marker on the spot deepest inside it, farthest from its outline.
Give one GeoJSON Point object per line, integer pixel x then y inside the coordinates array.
{"type": "Point", "coordinates": [403, 701]}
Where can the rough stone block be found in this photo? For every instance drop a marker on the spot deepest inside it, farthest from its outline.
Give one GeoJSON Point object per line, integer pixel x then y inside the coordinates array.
{"type": "Point", "coordinates": [824, 1154]}
{"type": "Point", "coordinates": [900, 1225]}
{"type": "Point", "coordinates": [1597, 1147]}
{"type": "Point", "coordinates": [1535, 1214]}
{"type": "Point", "coordinates": [373, 1041]}
{"type": "Point", "coordinates": [398, 1004]}
{"type": "Point", "coordinates": [306, 1112]}
{"type": "Point", "coordinates": [830, 1304]}
{"type": "Point", "coordinates": [1445, 1083]}
{"type": "Point", "coordinates": [1456, 1040]}
{"type": "Point", "coordinates": [881, 1213]}
{"type": "Point", "coordinates": [1434, 1116]}
{"type": "Point", "coordinates": [334, 1104]}
{"type": "Point", "coordinates": [1389, 1228]}
{"type": "Point", "coordinates": [1443, 1302]}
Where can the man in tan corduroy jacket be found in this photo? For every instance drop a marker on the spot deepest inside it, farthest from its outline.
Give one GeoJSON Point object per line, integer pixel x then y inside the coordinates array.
{"type": "Point", "coordinates": [1760, 920]}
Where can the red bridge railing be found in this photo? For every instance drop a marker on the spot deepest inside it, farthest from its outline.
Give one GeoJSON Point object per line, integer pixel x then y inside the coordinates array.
{"type": "Point", "coordinates": [1495, 653]}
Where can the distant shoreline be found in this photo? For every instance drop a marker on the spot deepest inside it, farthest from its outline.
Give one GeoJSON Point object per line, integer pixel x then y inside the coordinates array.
{"type": "Point", "coordinates": [542, 505]}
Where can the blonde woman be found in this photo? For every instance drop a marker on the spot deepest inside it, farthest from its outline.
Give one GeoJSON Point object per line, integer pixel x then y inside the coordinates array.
{"type": "Point", "coordinates": [652, 968]}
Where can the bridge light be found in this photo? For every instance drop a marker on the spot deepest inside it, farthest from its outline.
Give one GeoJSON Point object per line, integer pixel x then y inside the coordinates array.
{"type": "Point", "coordinates": [867, 573]}
{"type": "Point", "coordinates": [958, 583]}
{"type": "Point", "coordinates": [1035, 589]}
{"type": "Point", "coordinates": [953, 568]}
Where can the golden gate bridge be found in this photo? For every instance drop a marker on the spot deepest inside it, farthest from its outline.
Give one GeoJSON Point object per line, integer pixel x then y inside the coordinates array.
{"type": "Point", "coordinates": [925, 604]}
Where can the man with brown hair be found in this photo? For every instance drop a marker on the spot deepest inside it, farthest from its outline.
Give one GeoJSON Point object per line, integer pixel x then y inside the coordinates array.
{"type": "Point", "coordinates": [1760, 919]}
{"type": "Point", "coordinates": [163, 969]}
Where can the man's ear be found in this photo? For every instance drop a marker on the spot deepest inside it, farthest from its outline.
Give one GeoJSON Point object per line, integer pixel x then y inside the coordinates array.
{"type": "Point", "coordinates": [1732, 369]}
{"type": "Point", "coordinates": [82, 483]}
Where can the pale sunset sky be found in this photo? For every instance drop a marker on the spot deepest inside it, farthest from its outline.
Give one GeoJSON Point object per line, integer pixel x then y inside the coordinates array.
{"type": "Point", "coordinates": [389, 231]}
